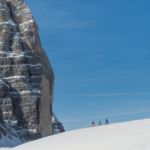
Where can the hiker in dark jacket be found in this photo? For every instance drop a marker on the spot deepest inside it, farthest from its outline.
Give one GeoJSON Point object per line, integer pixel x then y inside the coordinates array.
{"type": "Point", "coordinates": [93, 124]}
{"type": "Point", "coordinates": [106, 121]}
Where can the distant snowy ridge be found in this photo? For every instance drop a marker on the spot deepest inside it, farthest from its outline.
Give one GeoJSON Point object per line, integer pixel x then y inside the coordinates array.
{"type": "Point", "coordinates": [134, 135]}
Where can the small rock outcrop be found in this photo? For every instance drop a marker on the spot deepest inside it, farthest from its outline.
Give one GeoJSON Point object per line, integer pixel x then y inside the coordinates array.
{"type": "Point", "coordinates": [26, 76]}
{"type": "Point", "coordinates": [57, 125]}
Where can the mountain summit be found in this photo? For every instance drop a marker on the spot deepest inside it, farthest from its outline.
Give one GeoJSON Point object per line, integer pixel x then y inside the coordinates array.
{"type": "Point", "coordinates": [26, 76]}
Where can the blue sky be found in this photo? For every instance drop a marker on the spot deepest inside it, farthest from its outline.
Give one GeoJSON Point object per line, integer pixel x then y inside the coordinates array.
{"type": "Point", "coordinates": [100, 53]}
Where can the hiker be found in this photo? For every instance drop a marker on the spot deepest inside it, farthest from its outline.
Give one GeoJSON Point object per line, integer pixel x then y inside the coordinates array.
{"type": "Point", "coordinates": [106, 121]}
{"type": "Point", "coordinates": [93, 124]}
{"type": "Point", "coordinates": [99, 123]}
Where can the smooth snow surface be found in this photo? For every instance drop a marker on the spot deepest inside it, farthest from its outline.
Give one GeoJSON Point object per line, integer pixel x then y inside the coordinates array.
{"type": "Point", "coordinates": [133, 135]}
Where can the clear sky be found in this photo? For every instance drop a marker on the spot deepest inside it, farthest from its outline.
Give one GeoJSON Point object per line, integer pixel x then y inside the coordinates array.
{"type": "Point", "coordinates": [100, 53]}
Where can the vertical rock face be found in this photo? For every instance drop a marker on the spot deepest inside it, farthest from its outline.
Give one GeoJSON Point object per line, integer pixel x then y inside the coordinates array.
{"type": "Point", "coordinates": [26, 76]}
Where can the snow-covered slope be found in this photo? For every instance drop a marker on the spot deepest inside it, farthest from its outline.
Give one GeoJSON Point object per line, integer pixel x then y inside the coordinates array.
{"type": "Point", "coordinates": [133, 135]}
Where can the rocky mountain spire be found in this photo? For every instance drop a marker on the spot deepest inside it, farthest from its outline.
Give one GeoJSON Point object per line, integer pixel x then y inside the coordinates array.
{"type": "Point", "coordinates": [26, 76]}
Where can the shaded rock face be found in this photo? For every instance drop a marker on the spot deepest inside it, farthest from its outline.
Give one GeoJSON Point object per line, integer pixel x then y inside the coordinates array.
{"type": "Point", "coordinates": [26, 76]}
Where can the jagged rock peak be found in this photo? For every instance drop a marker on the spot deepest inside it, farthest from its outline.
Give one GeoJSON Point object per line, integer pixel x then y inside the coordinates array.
{"type": "Point", "coordinates": [57, 125]}
{"type": "Point", "coordinates": [26, 75]}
